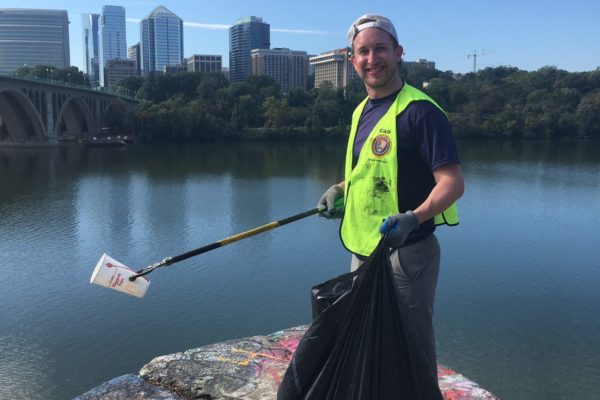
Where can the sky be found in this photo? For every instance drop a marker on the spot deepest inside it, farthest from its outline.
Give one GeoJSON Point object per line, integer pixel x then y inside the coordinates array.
{"type": "Point", "coordinates": [519, 33]}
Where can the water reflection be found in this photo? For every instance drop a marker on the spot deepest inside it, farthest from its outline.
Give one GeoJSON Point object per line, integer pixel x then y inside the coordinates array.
{"type": "Point", "coordinates": [534, 152]}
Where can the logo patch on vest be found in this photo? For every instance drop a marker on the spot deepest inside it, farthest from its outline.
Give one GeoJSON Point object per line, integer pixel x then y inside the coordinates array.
{"type": "Point", "coordinates": [381, 145]}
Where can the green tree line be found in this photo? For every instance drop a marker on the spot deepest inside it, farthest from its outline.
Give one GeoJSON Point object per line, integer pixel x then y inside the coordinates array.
{"type": "Point", "coordinates": [508, 102]}
{"type": "Point", "coordinates": [206, 106]}
{"type": "Point", "coordinates": [494, 102]}
{"type": "Point", "coordinates": [69, 76]}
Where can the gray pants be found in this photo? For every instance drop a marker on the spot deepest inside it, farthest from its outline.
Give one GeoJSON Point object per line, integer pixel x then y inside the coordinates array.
{"type": "Point", "coordinates": [416, 269]}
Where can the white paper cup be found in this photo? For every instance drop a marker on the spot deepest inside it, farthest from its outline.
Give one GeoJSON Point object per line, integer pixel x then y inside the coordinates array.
{"type": "Point", "coordinates": [112, 274]}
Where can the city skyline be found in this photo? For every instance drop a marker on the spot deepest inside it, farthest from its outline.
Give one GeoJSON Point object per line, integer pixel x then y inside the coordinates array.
{"type": "Point", "coordinates": [527, 36]}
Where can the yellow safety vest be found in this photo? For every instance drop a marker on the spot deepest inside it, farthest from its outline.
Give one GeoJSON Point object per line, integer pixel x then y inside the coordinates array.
{"type": "Point", "coordinates": [371, 191]}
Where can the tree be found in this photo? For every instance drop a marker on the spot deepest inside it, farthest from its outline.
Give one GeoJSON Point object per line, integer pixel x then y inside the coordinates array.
{"type": "Point", "coordinates": [211, 84]}
{"type": "Point", "coordinates": [276, 113]}
{"type": "Point", "coordinates": [415, 75]}
{"type": "Point", "coordinates": [157, 88]}
{"type": "Point", "coordinates": [186, 84]}
{"type": "Point", "coordinates": [355, 93]}
{"type": "Point", "coordinates": [245, 113]}
{"type": "Point", "coordinates": [70, 75]}
{"type": "Point", "coordinates": [119, 118]}
{"type": "Point", "coordinates": [329, 108]}
{"type": "Point", "coordinates": [298, 97]}
{"type": "Point", "coordinates": [588, 115]}
{"type": "Point", "coordinates": [130, 85]}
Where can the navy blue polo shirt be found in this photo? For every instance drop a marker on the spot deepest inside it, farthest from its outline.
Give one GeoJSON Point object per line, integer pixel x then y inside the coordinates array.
{"type": "Point", "coordinates": [425, 142]}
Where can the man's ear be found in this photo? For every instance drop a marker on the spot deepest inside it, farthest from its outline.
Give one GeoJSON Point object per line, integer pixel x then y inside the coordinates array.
{"type": "Point", "coordinates": [352, 61]}
{"type": "Point", "coordinates": [399, 51]}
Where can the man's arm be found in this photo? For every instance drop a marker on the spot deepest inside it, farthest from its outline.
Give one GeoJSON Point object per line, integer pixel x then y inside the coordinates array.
{"type": "Point", "coordinates": [449, 187]}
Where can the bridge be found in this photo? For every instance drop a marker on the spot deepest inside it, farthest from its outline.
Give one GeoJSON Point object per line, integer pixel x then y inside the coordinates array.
{"type": "Point", "coordinates": [39, 112]}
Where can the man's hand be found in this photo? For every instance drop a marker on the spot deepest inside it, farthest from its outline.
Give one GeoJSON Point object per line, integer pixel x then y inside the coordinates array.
{"type": "Point", "coordinates": [397, 227]}
{"type": "Point", "coordinates": [327, 202]}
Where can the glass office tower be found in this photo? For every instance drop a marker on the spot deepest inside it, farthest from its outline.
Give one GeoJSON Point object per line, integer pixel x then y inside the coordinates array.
{"type": "Point", "coordinates": [245, 35]}
{"type": "Point", "coordinates": [161, 40]}
{"type": "Point", "coordinates": [113, 44]}
{"type": "Point", "coordinates": [133, 53]}
{"type": "Point", "coordinates": [33, 37]}
{"type": "Point", "coordinates": [91, 47]}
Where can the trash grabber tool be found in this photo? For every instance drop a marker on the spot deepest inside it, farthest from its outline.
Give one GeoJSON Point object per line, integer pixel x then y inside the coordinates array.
{"type": "Point", "coordinates": [223, 242]}
{"type": "Point", "coordinates": [110, 273]}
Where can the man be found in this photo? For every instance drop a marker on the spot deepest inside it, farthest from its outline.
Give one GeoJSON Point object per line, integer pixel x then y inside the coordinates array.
{"type": "Point", "coordinates": [402, 168]}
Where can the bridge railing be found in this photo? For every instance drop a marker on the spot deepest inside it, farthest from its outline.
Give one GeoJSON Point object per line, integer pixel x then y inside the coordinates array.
{"type": "Point", "coordinates": [68, 85]}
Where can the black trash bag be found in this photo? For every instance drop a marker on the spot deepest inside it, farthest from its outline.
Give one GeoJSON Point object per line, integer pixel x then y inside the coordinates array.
{"type": "Point", "coordinates": [360, 345]}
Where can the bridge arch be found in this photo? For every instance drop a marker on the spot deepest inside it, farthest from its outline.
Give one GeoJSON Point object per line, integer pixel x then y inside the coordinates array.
{"type": "Point", "coordinates": [75, 120]}
{"type": "Point", "coordinates": [19, 120]}
{"type": "Point", "coordinates": [37, 112]}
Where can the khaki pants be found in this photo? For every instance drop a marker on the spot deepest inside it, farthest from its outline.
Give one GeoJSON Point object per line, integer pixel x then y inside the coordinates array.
{"type": "Point", "coordinates": [416, 269]}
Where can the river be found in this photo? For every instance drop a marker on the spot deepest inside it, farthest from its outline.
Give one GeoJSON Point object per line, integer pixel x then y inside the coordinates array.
{"type": "Point", "coordinates": [518, 301]}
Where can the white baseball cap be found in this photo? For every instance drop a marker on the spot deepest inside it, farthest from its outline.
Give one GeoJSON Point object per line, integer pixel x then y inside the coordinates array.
{"type": "Point", "coordinates": [371, 21]}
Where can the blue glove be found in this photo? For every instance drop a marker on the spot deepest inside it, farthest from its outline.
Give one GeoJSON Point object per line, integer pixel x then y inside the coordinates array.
{"type": "Point", "coordinates": [332, 203]}
{"type": "Point", "coordinates": [397, 227]}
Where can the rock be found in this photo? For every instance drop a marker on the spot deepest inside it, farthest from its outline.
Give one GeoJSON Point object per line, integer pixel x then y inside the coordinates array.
{"type": "Point", "coordinates": [249, 369]}
{"type": "Point", "coordinates": [128, 387]}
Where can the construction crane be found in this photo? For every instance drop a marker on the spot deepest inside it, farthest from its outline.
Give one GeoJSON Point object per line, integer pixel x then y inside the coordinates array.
{"type": "Point", "coordinates": [474, 55]}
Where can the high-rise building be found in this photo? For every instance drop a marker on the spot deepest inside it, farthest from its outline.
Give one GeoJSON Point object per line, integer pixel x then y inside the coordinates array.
{"type": "Point", "coordinates": [133, 53]}
{"type": "Point", "coordinates": [421, 62]}
{"type": "Point", "coordinates": [91, 47]}
{"type": "Point", "coordinates": [245, 35]}
{"type": "Point", "coordinates": [113, 43]}
{"type": "Point", "coordinates": [161, 40]}
{"type": "Point", "coordinates": [174, 68]}
{"type": "Point", "coordinates": [33, 37]}
{"type": "Point", "coordinates": [288, 68]}
{"type": "Point", "coordinates": [118, 69]}
{"type": "Point", "coordinates": [205, 63]}
{"type": "Point", "coordinates": [333, 66]}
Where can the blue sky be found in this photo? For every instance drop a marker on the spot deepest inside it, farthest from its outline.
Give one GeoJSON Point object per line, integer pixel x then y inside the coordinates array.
{"type": "Point", "coordinates": [528, 35]}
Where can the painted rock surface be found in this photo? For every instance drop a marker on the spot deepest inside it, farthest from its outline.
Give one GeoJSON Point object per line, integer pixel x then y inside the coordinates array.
{"type": "Point", "coordinates": [249, 368]}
